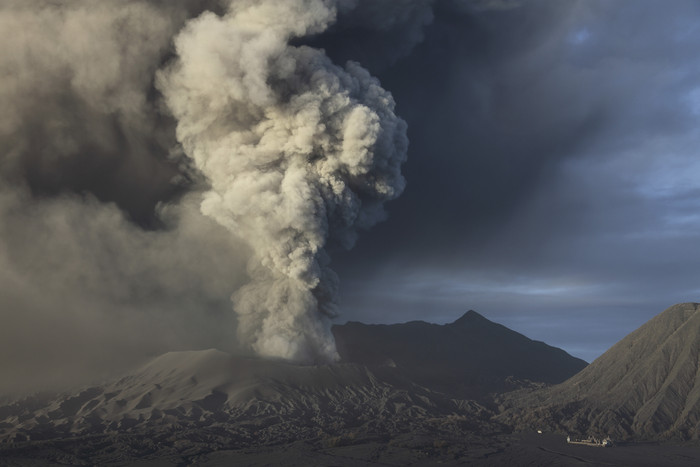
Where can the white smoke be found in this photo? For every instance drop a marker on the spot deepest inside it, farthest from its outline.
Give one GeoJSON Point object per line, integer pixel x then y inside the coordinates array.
{"type": "Point", "coordinates": [297, 150]}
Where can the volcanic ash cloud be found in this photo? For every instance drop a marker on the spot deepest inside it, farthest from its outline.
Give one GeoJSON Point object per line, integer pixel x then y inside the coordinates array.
{"type": "Point", "coordinates": [297, 151]}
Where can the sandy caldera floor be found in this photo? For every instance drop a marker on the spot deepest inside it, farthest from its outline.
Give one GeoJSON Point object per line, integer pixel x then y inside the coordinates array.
{"type": "Point", "coordinates": [519, 449]}
{"type": "Point", "coordinates": [522, 449]}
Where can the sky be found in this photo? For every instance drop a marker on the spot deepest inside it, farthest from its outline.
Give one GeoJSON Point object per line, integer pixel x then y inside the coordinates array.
{"type": "Point", "coordinates": [552, 173]}
{"type": "Point", "coordinates": [533, 161]}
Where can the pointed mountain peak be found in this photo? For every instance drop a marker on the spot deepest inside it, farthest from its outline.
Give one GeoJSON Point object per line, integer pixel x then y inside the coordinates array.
{"type": "Point", "coordinates": [471, 317]}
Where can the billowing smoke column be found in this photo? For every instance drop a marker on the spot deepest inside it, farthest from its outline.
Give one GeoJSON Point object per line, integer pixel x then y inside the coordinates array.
{"type": "Point", "coordinates": [297, 150]}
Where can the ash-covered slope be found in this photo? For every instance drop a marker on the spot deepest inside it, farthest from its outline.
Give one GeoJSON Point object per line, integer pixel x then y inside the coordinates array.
{"type": "Point", "coordinates": [647, 386]}
{"type": "Point", "coordinates": [185, 405]}
{"type": "Point", "coordinates": [218, 400]}
{"type": "Point", "coordinates": [469, 357]}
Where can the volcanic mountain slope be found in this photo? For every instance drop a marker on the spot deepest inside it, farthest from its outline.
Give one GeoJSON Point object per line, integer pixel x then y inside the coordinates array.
{"type": "Point", "coordinates": [647, 386]}
{"type": "Point", "coordinates": [467, 358]}
{"type": "Point", "coordinates": [210, 387]}
{"type": "Point", "coordinates": [184, 405]}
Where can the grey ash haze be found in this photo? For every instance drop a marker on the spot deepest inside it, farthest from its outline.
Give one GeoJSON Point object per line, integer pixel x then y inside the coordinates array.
{"type": "Point", "coordinates": [551, 177]}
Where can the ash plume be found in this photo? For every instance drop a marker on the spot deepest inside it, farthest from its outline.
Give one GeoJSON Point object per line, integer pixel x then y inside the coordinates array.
{"type": "Point", "coordinates": [159, 156]}
{"type": "Point", "coordinates": [297, 151]}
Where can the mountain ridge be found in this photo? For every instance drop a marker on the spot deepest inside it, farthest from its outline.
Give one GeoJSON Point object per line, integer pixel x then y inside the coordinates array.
{"type": "Point", "coordinates": [470, 357]}
{"type": "Point", "coordinates": [646, 386]}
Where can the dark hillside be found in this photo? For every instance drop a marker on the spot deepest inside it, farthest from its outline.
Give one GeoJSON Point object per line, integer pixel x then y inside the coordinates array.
{"type": "Point", "coordinates": [647, 386]}
{"type": "Point", "coordinates": [469, 357]}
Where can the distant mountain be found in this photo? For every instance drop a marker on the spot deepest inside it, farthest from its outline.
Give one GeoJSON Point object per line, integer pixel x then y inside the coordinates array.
{"type": "Point", "coordinates": [469, 357]}
{"type": "Point", "coordinates": [647, 386]}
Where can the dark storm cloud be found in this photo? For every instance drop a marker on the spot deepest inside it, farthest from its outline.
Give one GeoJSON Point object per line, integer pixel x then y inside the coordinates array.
{"type": "Point", "coordinates": [479, 101]}
{"type": "Point", "coordinates": [551, 175]}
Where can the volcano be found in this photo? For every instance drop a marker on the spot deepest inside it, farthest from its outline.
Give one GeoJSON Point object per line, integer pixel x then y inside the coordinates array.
{"type": "Point", "coordinates": [401, 389]}
{"type": "Point", "coordinates": [647, 386]}
{"type": "Point", "coordinates": [413, 393]}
